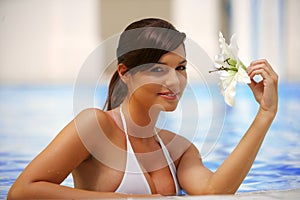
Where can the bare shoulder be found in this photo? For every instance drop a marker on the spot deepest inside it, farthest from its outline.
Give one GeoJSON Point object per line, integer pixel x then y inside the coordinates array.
{"type": "Point", "coordinates": [92, 114]}
{"type": "Point", "coordinates": [97, 128]}
{"type": "Point", "coordinates": [93, 119]}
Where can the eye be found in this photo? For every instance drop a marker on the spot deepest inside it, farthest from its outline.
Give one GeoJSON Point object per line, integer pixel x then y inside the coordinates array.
{"type": "Point", "coordinates": [181, 68]}
{"type": "Point", "coordinates": [157, 69]}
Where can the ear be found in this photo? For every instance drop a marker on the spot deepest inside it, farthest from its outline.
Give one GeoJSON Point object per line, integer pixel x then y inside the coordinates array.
{"type": "Point", "coordinates": [122, 69]}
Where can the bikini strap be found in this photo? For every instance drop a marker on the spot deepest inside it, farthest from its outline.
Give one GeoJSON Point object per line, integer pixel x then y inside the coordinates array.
{"type": "Point", "coordinates": [169, 161]}
{"type": "Point", "coordinates": [164, 149]}
{"type": "Point", "coordinates": [123, 121]}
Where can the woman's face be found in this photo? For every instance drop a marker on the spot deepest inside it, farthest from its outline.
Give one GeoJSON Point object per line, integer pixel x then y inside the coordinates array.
{"type": "Point", "coordinates": [162, 84]}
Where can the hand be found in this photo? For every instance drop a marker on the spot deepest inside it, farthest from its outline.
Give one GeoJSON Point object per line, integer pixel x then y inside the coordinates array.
{"type": "Point", "coordinates": [265, 91]}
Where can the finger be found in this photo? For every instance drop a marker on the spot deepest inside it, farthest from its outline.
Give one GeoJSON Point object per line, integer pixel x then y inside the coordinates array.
{"type": "Point", "coordinates": [264, 62]}
{"type": "Point", "coordinates": [259, 67]}
{"type": "Point", "coordinates": [261, 72]}
{"type": "Point", "coordinates": [252, 84]}
{"type": "Point", "coordinates": [261, 61]}
{"type": "Point", "coordinates": [257, 64]}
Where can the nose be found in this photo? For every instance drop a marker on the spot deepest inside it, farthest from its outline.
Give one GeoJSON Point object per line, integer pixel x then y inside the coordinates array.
{"type": "Point", "coordinates": [172, 80]}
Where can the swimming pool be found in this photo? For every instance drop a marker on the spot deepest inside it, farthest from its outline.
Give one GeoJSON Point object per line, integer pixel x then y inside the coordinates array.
{"type": "Point", "coordinates": [32, 115]}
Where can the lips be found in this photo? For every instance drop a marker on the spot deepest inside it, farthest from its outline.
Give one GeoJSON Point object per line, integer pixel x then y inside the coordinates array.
{"type": "Point", "coordinates": [168, 95]}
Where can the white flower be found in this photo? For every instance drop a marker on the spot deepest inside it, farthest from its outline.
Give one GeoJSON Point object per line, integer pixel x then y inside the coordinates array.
{"type": "Point", "coordinates": [230, 68]}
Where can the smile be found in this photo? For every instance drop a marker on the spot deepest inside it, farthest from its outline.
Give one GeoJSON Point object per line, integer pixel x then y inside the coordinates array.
{"type": "Point", "coordinates": [169, 95]}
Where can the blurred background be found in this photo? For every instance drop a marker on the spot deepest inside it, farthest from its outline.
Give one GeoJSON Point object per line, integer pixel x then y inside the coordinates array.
{"type": "Point", "coordinates": [46, 42]}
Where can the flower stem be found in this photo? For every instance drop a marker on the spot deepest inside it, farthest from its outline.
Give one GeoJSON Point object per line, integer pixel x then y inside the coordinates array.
{"type": "Point", "coordinates": [213, 70]}
{"type": "Point", "coordinates": [224, 69]}
{"type": "Point", "coordinates": [243, 66]}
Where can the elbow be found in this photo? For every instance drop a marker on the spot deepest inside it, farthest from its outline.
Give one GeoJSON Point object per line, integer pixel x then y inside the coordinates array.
{"type": "Point", "coordinates": [14, 193]}
{"type": "Point", "coordinates": [211, 190]}
{"type": "Point", "coordinates": [220, 191]}
{"type": "Point", "coordinates": [17, 191]}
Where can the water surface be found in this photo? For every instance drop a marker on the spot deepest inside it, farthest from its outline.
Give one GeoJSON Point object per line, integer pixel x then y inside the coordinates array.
{"type": "Point", "coordinates": [31, 116]}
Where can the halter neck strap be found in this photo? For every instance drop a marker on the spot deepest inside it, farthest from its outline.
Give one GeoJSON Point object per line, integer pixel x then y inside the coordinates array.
{"type": "Point", "coordinates": [125, 125]}
{"type": "Point", "coordinates": [123, 121]}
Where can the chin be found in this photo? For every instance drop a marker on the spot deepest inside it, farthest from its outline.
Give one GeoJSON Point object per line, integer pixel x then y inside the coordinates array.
{"type": "Point", "coordinates": [166, 107]}
{"type": "Point", "coordinates": [171, 109]}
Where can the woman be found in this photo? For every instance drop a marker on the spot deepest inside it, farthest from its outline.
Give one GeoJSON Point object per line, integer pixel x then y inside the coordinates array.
{"type": "Point", "coordinates": [120, 152]}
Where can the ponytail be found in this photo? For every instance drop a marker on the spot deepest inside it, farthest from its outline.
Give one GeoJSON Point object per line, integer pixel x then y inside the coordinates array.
{"type": "Point", "coordinates": [117, 91]}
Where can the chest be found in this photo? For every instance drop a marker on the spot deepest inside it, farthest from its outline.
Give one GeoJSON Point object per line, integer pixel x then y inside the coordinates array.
{"type": "Point", "coordinates": [106, 172]}
{"type": "Point", "coordinates": [94, 175]}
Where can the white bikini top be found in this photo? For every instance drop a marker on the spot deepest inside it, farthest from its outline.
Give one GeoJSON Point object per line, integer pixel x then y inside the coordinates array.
{"type": "Point", "coordinates": [134, 180]}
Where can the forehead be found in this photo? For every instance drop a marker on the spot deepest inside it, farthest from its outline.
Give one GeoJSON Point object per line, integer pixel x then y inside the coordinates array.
{"type": "Point", "coordinates": [177, 55]}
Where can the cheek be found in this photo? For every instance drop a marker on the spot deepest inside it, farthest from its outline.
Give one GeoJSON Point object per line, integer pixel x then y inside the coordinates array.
{"type": "Point", "coordinates": [134, 84]}
{"type": "Point", "coordinates": [146, 91]}
{"type": "Point", "coordinates": [183, 80]}
{"type": "Point", "coordinates": [140, 82]}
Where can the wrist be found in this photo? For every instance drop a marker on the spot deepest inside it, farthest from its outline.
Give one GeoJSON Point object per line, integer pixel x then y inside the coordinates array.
{"type": "Point", "coordinates": [267, 114]}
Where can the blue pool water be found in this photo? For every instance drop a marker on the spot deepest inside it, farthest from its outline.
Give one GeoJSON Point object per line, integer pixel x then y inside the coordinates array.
{"type": "Point", "coordinates": [32, 115]}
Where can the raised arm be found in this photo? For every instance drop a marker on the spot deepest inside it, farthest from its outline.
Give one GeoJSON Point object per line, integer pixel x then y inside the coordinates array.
{"type": "Point", "coordinates": [196, 179]}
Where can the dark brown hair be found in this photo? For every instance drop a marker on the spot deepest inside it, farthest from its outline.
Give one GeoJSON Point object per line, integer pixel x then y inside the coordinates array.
{"type": "Point", "coordinates": [142, 42]}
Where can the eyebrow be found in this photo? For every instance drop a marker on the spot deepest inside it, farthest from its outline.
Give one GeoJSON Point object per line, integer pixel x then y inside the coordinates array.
{"type": "Point", "coordinates": [184, 61]}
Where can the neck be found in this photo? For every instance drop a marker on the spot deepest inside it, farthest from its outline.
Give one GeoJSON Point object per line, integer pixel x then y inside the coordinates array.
{"type": "Point", "coordinates": [140, 120]}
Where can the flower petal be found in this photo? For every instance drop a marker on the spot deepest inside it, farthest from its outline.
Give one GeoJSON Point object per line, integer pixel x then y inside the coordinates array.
{"type": "Point", "coordinates": [229, 93]}
{"type": "Point", "coordinates": [220, 58]}
{"type": "Point", "coordinates": [233, 47]}
{"type": "Point", "coordinates": [242, 76]}
{"type": "Point", "coordinates": [223, 45]}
